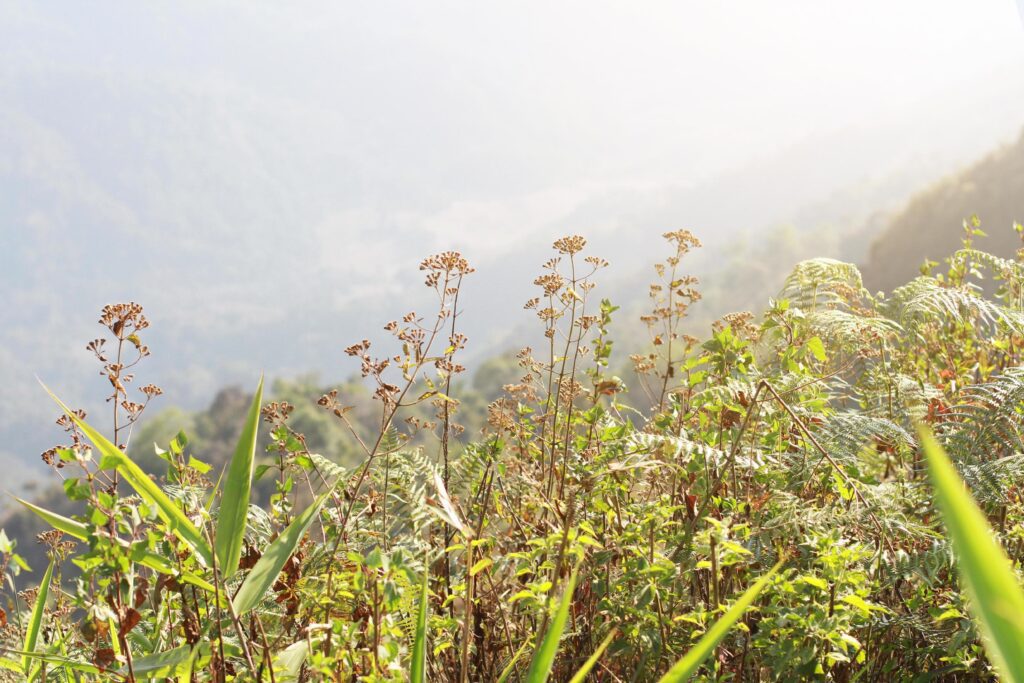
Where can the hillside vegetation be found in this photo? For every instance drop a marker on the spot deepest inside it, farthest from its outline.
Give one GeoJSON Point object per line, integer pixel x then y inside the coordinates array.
{"type": "Point", "coordinates": [748, 506]}
{"type": "Point", "coordinates": [992, 188]}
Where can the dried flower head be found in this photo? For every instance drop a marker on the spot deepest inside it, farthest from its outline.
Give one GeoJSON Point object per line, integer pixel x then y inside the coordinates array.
{"type": "Point", "coordinates": [571, 244]}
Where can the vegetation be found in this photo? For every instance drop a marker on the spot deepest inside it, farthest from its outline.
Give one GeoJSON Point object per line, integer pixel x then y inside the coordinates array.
{"type": "Point", "coordinates": [921, 229]}
{"type": "Point", "coordinates": [754, 506]}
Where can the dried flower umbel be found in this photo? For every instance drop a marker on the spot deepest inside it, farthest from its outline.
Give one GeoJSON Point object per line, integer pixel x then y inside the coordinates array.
{"type": "Point", "coordinates": [671, 297]}
{"type": "Point", "coordinates": [124, 321]}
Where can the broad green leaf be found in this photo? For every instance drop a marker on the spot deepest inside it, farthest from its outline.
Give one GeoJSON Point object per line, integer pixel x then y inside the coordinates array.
{"type": "Point", "coordinates": [691, 661]}
{"type": "Point", "coordinates": [163, 664]}
{"type": "Point", "coordinates": [996, 599]}
{"type": "Point", "coordinates": [35, 620]}
{"type": "Point", "coordinates": [264, 573]}
{"type": "Point", "coordinates": [176, 661]}
{"type": "Point", "coordinates": [480, 566]}
{"type": "Point", "coordinates": [115, 458]}
{"type": "Point", "coordinates": [817, 348]}
{"type": "Point", "coordinates": [418, 667]}
{"type": "Point", "coordinates": [581, 675]}
{"type": "Point", "coordinates": [290, 660]}
{"type": "Point", "coordinates": [544, 656]}
{"type": "Point", "coordinates": [234, 504]}
{"type": "Point", "coordinates": [148, 559]}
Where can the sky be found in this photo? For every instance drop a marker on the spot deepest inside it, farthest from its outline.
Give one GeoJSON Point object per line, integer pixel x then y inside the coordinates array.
{"type": "Point", "coordinates": [264, 177]}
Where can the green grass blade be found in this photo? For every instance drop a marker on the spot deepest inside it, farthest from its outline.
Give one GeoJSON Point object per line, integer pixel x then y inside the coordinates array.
{"type": "Point", "coordinates": [265, 572]}
{"type": "Point", "coordinates": [996, 599]}
{"type": "Point", "coordinates": [418, 667]}
{"type": "Point", "coordinates": [234, 504]}
{"type": "Point", "coordinates": [544, 657]}
{"type": "Point", "coordinates": [82, 667]}
{"type": "Point", "coordinates": [36, 620]}
{"type": "Point", "coordinates": [691, 661]}
{"type": "Point", "coordinates": [58, 522]}
{"type": "Point", "coordinates": [581, 675]}
{"type": "Point", "coordinates": [511, 666]}
{"type": "Point", "coordinates": [114, 458]}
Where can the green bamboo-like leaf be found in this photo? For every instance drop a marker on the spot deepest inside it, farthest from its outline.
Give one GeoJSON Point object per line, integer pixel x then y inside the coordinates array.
{"type": "Point", "coordinates": [234, 504]}
{"type": "Point", "coordinates": [56, 660]}
{"type": "Point", "coordinates": [115, 458]}
{"type": "Point", "coordinates": [163, 664]}
{"type": "Point", "coordinates": [996, 599]}
{"type": "Point", "coordinates": [418, 668]}
{"type": "Point", "coordinates": [58, 522]}
{"type": "Point", "coordinates": [581, 675]}
{"type": "Point", "coordinates": [149, 558]}
{"type": "Point", "coordinates": [691, 661]}
{"type": "Point", "coordinates": [290, 661]}
{"type": "Point", "coordinates": [264, 573]}
{"type": "Point", "coordinates": [544, 656]}
{"type": "Point", "coordinates": [36, 620]}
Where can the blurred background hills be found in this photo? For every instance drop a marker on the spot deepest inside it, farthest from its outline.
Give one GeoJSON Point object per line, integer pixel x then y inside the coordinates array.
{"type": "Point", "coordinates": [265, 179]}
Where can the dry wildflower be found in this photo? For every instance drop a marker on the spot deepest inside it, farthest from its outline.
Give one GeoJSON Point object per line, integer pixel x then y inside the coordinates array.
{"type": "Point", "coordinates": [500, 415]}
{"type": "Point", "coordinates": [571, 244]}
{"type": "Point", "coordinates": [277, 412]}
{"type": "Point", "coordinates": [551, 283]}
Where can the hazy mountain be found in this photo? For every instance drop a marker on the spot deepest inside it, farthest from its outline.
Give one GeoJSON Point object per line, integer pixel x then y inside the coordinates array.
{"type": "Point", "coordinates": [930, 225]}
{"type": "Point", "coordinates": [265, 179]}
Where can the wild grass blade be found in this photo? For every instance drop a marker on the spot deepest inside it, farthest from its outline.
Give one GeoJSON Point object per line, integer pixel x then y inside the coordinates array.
{"type": "Point", "coordinates": [581, 675]}
{"type": "Point", "coordinates": [506, 673]}
{"type": "Point", "coordinates": [418, 667]}
{"type": "Point", "coordinates": [35, 621]}
{"type": "Point", "coordinates": [264, 573]}
{"type": "Point", "coordinates": [986, 572]}
{"type": "Point", "coordinates": [544, 657]}
{"type": "Point", "coordinates": [691, 661]}
{"type": "Point", "coordinates": [234, 504]}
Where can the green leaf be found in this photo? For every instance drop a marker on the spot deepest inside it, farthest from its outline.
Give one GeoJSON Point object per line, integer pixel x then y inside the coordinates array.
{"type": "Point", "coordinates": [163, 664]}
{"type": "Point", "coordinates": [480, 566]}
{"type": "Point", "coordinates": [148, 558]}
{"type": "Point", "coordinates": [816, 347]}
{"type": "Point", "coordinates": [234, 504]}
{"type": "Point", "coordinates": [691, 661]}
{"type": "Point", "coordinates": [996, 599]}
{"type": "Point", "coordinates": [51, 659]}
{"type": "Point", "coordinates": [290, 660]}
{"type": "Point", "coordinates": [35, 621]}
{"type": "Point", "coordinates": [544, 657]}
{"type": "Point", "coordinates": [581, 675]}
{"type": "Point", "coordinates": [418, 666]}
{"type": "Point", "coordinates": [169, 512]}
{"type": "Point", "coordinates": [264, 573]}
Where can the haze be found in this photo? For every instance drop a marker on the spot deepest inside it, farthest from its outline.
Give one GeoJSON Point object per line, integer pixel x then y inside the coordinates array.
{"type": "Point", "coordinates": [262, 176]}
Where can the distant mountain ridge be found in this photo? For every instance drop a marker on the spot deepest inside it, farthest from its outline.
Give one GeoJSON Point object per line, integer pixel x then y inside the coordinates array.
{"type": "Point", "coordinates": [930, 225]}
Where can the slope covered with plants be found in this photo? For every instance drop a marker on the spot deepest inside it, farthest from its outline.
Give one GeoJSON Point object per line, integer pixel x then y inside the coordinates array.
{"type": "Point", "coordinates": [764, 516]}
{"type": "Point", "coordinates": [922, 230]}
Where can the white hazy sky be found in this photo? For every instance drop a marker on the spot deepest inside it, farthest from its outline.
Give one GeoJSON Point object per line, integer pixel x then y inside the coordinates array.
{"type": "Point", "coordinates": [630, 91]}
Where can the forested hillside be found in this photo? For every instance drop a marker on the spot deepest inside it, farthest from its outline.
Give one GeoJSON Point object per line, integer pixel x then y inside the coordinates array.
{"type": "Point", "coordinates": [992, 189]}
